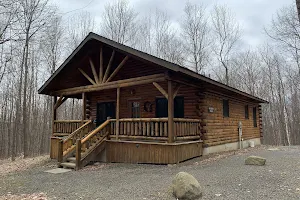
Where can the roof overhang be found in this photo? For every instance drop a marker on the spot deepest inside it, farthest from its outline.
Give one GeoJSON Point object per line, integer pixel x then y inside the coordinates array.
{"type": "Point", "coordinates": [148, 58]}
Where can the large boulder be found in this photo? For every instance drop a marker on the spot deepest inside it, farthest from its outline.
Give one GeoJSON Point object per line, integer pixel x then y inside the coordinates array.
{"type": "Point", "coordinates": [255, 160]}
{"type": "Point", "coordinates": [185, 186]}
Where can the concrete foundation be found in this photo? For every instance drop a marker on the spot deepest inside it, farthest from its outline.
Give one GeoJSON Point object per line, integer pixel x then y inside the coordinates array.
{"type": "Point", "coordinates": [230, 146]}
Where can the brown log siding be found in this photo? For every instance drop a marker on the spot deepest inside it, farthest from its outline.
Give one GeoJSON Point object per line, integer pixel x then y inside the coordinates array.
{"type": "Point", "coordinates": [142, 94]}
{"type": "Point", "coordinates": [221, 130]}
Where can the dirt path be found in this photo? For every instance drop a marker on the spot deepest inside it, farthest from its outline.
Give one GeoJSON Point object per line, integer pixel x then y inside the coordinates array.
{"type": "Point", "coordinates": [222, 176]}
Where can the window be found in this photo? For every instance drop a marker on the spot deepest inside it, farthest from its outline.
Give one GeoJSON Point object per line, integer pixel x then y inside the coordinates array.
{"type": "Point", "coordinates": [179, 107]}
{"type": "Point", "coordinates": [225, 108]}
{"type": "Point", "coordinates": [135, 109]}
{"type": "Point", "coordinates": [246, 112]}
{"type": "Point", "coordinates": [162, 107]}
{"type": "Point", "coordinates": [254, 117]}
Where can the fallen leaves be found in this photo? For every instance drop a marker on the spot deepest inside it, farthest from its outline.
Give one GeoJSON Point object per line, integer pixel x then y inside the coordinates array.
{"type": "Point", "coordinates": [20, 164]}
{"type": "Point", "coordinates": [35, 196]}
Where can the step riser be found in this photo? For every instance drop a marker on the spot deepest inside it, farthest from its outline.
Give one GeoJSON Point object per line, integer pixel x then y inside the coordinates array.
{"type": "Point", "coordinates": [71, 159]}
{"type": "Point", "coordinates": [68, 165]}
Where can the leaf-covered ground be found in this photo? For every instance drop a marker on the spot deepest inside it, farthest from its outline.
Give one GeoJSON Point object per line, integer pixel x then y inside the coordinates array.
{"type": "Point", "coordinates": [20, 164]}
{"type": "Point", "coordinates": [222, 176]}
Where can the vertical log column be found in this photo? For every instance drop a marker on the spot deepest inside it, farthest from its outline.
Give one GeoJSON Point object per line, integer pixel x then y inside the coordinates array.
{"type": "Point", "coordinates": [260, 120]}
{"type": "Point", "coordinates": [88, 108]}
{"type": "Point", "coordinates": [83, 106]}
{"type": "Point", "coordinates": [54, 114]}
{"type": "Point", "coordinates": [170, 113]}
{"type": "Point", "coordinates": [118, 114]}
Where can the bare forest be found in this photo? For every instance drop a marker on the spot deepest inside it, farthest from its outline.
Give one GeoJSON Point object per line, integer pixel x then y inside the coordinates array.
{"type": "Point", "coordinates": [35, 38]}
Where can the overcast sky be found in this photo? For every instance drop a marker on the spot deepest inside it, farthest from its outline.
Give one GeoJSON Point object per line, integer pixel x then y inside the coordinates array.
{"type": "Point", "coordinates": [252, 15]}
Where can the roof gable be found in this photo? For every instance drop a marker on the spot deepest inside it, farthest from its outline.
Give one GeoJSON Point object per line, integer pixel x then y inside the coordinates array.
{"type": "Point", "coordinates": [146, 58]}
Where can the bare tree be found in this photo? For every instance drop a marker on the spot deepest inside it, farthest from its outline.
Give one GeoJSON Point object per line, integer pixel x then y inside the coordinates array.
{"type": "Point", "coordinates": [298, 8]}
{"type": "Point", "coordinates": [158, 37]}
{"type": "Point", "coordinates": [226, 33]}
{"type": "Point", "coordinates": [33, 17]}
{"type": "Point", "coordinates": [144, 35]}
{"type": "Point", "coordinates": [51, 44]}
{"type": "Point", "coordinates": [120, 22]}
{"type": "Point", "coordinates": [8, 12]}
{"type": "Point", "coordinates": [196, 35]}
{"type": "Point", "coordinates": [77, 28]}
{"type": "Point", "coordinates": [246, 71]}
{"type": "Point", "coordinates": [285, 29]}
{"type": "Point", "coordinates": [166, 44]}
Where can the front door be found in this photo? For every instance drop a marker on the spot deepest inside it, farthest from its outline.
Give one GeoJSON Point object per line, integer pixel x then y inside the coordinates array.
{"type": "Point", "coordinates": [104, 110]}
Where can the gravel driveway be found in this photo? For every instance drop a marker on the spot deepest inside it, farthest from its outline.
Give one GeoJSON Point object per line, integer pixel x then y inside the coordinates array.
{"type": "Point", "coordinates": [222, 176]}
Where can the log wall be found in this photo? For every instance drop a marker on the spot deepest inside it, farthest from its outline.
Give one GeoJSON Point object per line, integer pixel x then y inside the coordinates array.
{"type": "Point", "coordinates": [219, 130]}
{"type": "Point", "coordinates": [142, 94]}
{"type": "Point", "coordinates": [216, 129]}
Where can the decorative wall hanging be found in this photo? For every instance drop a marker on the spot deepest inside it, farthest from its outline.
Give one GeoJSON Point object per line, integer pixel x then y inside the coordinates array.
{"type": "Point", "coordinates": [148, 106]}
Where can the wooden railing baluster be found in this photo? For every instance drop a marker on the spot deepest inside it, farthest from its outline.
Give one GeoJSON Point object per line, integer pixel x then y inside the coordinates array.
{"type": "Point", "coordinates": [136, 128]}
{"type": "Point", "coordinates": [140, 128]}
{"type": "Point", "coordinates": [154, 129]}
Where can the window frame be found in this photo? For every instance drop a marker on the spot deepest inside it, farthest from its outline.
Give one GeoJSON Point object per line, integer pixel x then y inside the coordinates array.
{"type": "Point", "coordinates": [254, 113]}
{"type": "Point", "coordinates": [226, 108]}
{"type": "Point", "coordinates": [177, 112]}
{"type": "Point", "coordinates": [246, 111]}
{"type": "Point", "coordinates": [135, 113]}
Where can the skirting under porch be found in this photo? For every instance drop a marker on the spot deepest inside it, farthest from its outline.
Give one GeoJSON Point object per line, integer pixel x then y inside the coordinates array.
{"type": "Point", "coordinates": [151, 152]}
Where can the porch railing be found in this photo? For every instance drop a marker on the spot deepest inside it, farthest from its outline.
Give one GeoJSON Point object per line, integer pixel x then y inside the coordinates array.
{"type": "Point", "coordinates": [187, 129]}
{"type": "Point", "coordinates": [66, 127]}
{"type": "Point", "coordinates": [67, 145]}
{"type": "Point", "coordinates": [155, 129]}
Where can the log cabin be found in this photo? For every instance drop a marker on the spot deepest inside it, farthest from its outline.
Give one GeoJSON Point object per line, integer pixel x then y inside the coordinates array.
{"type": "Point", "coordinates": [137, 108]}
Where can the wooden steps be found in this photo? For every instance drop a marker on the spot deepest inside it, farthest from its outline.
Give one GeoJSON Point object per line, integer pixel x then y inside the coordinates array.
{"type": "Point", "coordinates": [68, 165]}
{"type": "Point", "coordinates": [71, 159]}
{"type": "Point", "coordinates": [86, 148]}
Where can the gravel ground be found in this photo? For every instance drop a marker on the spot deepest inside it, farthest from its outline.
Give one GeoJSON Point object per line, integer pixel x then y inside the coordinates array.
{"type": "Point", "coordinates": [223, 176]}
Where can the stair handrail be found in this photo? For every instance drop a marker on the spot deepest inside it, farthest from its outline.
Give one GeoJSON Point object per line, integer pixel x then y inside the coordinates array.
{"type": "Point", "coordinates": [63, 142]}
{"type": "Point", "coordinates": [95, 131]}
{"type": "Point", "coordinates": [76, 131]}
{"type": "Point", "coordinates": [81, 142]}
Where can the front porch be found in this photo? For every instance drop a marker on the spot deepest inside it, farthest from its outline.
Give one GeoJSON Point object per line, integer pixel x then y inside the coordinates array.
{"type": "Point", "coordinates": [138, 140]}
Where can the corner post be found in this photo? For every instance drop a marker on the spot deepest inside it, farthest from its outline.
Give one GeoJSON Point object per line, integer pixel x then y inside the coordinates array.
{"type": "Point", "coordinates": [54, 114]}
{"type": "Point", "coordinates": [78, 154]}
{"type": "Point", "coordinates": [118, 113]}
{"type": "Point", "coordinates": [83, 106]}
{"type": "Point", "coordinates": [170, 113]}
{"type": "Point", "coordinates": [60, 151]}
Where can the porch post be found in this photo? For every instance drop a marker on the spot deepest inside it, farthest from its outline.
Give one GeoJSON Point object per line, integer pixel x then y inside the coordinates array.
{"type": "Point", "coordinates": [170, 113]}
{"type": "Point", "coordinates": [118, 113]}
{"type": "Point", "coordinates": [83, 106]}
{"type": "Point", "coordinates": [54, 114]}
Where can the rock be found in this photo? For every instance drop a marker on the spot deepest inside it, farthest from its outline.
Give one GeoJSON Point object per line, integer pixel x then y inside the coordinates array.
{"type": "Point", "coordinates": [185, 186]}
{"type": "Point", "coordinates": [255, 160]}
{"type": "Point", "coordinates": [97, 163]}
